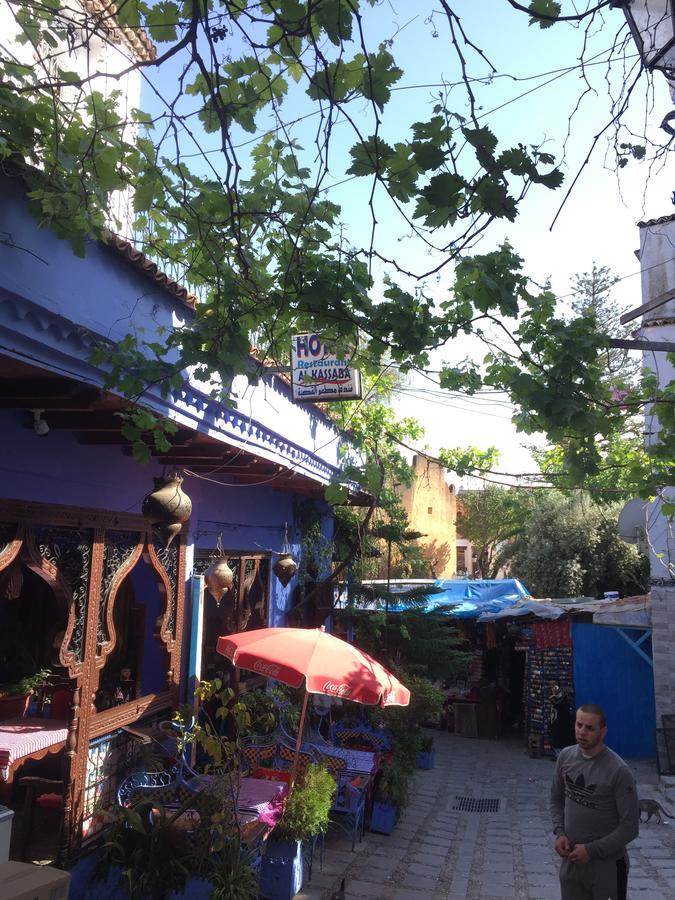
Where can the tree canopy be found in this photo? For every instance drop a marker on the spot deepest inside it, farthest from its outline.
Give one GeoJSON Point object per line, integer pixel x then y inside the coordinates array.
{"type": "Point", "coordinates": [570, 548]}
{"type": "Point", "coordinates": [225, 191]}
{"type": "Point", "coordinates": [491, 518]}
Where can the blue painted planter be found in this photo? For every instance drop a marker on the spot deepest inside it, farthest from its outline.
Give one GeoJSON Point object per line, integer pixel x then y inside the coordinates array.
{"type": "Point", "coordinates": [383, 817]}
{"type": "Point", "coordinates": [195, 889]}
{"type": "Point", "coordinates": [425, 759]}
{"type": "Point", "coordinates": [84, 887]}
{"type": "Point", "coordinates": [281, 870]}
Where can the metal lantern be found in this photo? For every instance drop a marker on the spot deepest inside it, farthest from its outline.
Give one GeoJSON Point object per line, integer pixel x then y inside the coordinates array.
{"type": "Point", "coordinates": [285, 567]}
{"type": "Point", "coordinates": [167, 507]}
{"type": "Point", "coordinates": [219, 577]}
{"type": "Point", "coordinates": [652, 24]}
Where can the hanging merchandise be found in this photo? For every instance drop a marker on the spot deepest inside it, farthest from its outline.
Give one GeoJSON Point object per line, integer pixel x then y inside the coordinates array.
{"type": "Point", "coordinates": [285, 567]}
{"type": "Point", "coordinates": [167, 507]}
{"type": "Point", "coordinates": [546, 665]}
{"type": "Point", "coordinates": [219, 577]}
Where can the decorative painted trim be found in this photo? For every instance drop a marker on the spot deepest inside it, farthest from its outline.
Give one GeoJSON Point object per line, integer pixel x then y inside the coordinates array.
{"type": "Point", "coordinates": [69, 516]}
{"type": "Point", "coordinates": [204, 414]}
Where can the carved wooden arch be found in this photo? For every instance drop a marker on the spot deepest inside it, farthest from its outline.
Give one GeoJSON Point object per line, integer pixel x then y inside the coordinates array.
{"type": "Point", "coordinates": [119, 576]}
{"type": "Point", "coordinates": [165, 589]}
{"type": "Point", "coordinates": [30, 556]}
{"type": "Point", "coordinates": [13, 548]}
{"type": "Point", "coordinates": [248, 582]}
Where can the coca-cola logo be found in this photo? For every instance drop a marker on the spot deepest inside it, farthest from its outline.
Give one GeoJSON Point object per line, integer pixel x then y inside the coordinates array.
{"type": "Point", "coordinates": [336, 689]}
{"type": "Point", "coordinates": [265, 668]}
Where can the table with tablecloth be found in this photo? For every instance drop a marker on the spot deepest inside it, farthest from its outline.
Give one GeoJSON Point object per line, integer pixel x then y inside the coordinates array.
{"type": "Point", "coordinates": [28, 738]}
{"type": "Point", "coordinates": [264, 798]}
{"type": "Point", "coordinates": [358, 762]}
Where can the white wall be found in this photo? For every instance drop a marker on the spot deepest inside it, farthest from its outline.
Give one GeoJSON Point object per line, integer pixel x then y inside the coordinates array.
{"type": "Point", "coordinates": [657, 264]}
{"type": "Point", "coordinates": [85, 52]}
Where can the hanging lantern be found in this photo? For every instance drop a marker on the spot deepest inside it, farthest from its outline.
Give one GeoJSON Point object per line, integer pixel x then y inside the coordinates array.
{"type": "Point", "coordinates": [285, 567]}
{"type": "Point", "coordinates": [167, 531]}
{"type": "Point", "coordinates": [167, 507]}
{"type": "Point", "coordinates": [219, 577]}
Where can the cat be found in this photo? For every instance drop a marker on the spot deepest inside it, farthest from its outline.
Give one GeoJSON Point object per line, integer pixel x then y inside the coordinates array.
{"type": "Point", "coordinates": [340, 894]}
{"type": "Point", "coordinates": [652, 808]}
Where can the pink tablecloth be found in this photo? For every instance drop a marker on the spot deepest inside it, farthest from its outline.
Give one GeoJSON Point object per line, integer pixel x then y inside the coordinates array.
{"type": "Point", "coordinates": [23, 737]}
{"type": "Point", "coordinates": [262, 797]}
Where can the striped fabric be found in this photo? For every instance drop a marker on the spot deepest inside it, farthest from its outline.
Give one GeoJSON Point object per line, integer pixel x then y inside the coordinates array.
{"type": "Point", "coordinates": [21, 738]}
{"type": "Point", "coordinates": [262, 797]}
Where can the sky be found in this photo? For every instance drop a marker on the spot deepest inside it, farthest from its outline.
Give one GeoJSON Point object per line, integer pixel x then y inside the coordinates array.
{"type": "Point", "coordinates": [539, 84]}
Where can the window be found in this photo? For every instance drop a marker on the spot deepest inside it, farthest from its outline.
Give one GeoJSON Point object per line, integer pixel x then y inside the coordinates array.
{"type": "Point", "coordinates": [461, 560]}
{"type": "Point", "coordinates": [244, 607]}
{"type": "Point", "coordinates": [430, 510]}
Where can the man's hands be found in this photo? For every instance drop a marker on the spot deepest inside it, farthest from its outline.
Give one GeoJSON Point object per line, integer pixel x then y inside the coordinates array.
{"type": "Point", "coordinates": [577, 854]}
{"type": "Point", "coordinates": [562, 846]}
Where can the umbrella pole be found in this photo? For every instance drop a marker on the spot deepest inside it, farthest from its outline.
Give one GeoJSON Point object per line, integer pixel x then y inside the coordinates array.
{"type": "Point", "coordinates": [298, 741]}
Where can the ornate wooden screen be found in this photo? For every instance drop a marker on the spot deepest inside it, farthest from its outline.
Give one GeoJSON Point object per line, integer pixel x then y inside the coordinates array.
{"type": "Point", "coordinates": [84, 555]}
{"type": "Point", "coordinates": [244, 606]}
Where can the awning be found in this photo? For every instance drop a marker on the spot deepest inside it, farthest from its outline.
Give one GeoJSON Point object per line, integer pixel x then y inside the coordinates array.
{"type": "Point", "coordinates": [630, 612]}
{"type": "Point", "coordinates": [469, 599]}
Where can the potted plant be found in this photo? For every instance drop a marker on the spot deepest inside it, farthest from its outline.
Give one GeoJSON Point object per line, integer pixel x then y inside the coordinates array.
{"type": "Point", "coordinates": [391, 797]}
{"type": "Point", "coordinates": [425, 752]}
{"type": "Point", "coordinates": [231, 874]}
{"type": "Point", "coordinates": [15, 695]}
{"type": "Point", "coordinates": [154, 851]}
{"type": "Point", "coordinates": [306, 815]}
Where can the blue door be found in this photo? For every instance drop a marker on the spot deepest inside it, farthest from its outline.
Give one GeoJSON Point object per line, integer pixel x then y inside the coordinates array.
{"type": "Point", "coordinates": [613, 667]}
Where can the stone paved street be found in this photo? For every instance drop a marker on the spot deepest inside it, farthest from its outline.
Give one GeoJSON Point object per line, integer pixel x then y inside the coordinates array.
{"type": "Point", "coordinates": [441, 854]}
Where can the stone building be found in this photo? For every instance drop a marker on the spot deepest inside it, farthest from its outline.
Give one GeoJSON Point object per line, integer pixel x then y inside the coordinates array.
{"type": "Point", "coordinates": [431, 506]}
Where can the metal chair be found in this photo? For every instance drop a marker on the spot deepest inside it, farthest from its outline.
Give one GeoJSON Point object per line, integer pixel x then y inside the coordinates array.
{"type": "Point", "coordinates": [361, 733]}
{"type": "Point", "coordinates": [350, 802]}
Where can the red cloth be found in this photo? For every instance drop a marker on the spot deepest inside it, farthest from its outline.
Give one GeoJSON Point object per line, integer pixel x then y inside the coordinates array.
{"type": "Point", "coordinates": [552, 634]}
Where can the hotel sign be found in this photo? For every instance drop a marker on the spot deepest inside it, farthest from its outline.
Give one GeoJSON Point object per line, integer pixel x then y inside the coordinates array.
{"type": "Point", "coordinates": [319, 375]}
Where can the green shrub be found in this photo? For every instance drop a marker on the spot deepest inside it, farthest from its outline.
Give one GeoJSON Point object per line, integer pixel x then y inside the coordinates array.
{"type": "Point", "coordinates": [308, 806]}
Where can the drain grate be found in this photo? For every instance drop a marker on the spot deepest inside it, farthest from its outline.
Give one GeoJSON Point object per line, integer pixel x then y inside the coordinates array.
{"type": "Point", "coordinates": [477, 804]}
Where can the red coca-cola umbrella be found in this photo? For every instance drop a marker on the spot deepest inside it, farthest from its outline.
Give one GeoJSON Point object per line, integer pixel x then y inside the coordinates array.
{"type": "Point", "coordinates": [325, 663]}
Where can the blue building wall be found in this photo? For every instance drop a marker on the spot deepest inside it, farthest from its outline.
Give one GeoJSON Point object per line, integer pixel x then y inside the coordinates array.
{"type": "Point", "coordinates": [53, 306]}
{"type": "Point", "coordinates": [611, 672]}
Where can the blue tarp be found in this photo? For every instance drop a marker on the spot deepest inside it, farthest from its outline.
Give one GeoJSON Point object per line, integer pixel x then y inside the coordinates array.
{"type": "Point", "coordinates": [472, 598]}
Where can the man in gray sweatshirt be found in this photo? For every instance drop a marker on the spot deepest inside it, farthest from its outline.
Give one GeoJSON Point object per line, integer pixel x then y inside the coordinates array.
{"type": "Point", "coordinates": [594, 807]}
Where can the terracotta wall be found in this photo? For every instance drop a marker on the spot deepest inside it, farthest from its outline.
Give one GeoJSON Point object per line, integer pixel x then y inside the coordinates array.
{"type": "Point", "coordinates": [431, 505]}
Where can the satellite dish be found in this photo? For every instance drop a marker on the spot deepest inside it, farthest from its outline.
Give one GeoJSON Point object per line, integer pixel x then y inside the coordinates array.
{"type": "Point", "coordinates": [631, 524]}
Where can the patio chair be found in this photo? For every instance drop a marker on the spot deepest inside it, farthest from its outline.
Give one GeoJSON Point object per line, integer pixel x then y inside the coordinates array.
{"type": "Point", "coordinates": [47, 795]}
{"type": "Point", "coordinates": [362, 736]}
{"type": "Point", "coordinates": [350, 803]}
{"type": "Point", "coordinates": [278, 757]}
